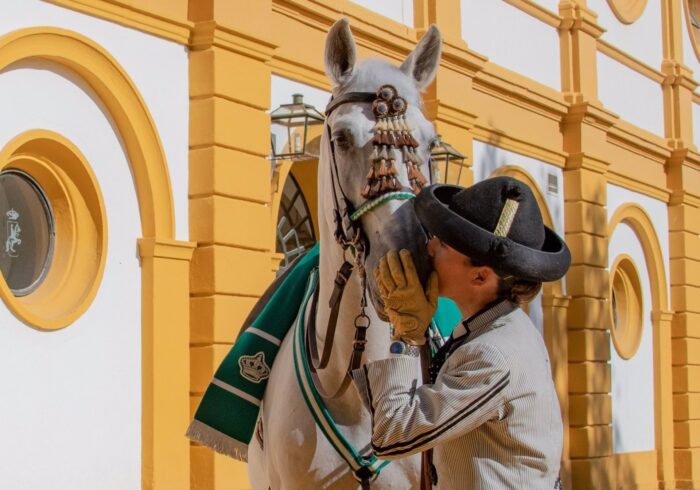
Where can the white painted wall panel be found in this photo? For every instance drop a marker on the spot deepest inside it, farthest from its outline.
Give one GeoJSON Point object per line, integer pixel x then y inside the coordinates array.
{"type": "Point", "coordinates": [489, 158]}
{"type": "Point", "coordinates": [689, 56]}
{"type": "Point", "coordinates": [633, 379]}
{"type": "Point", "coordinates": [398, 10]}
{"type": "Point", "coordinates": [642, 39]}
{"type": "Point", "coordinates": [157, 67]}
{"type": "Point", "coordinates": [622, 90]}
{"type": "Point", "coordinates": [513, 39]}
{"type": "Point", "coordinates": [72, 398]}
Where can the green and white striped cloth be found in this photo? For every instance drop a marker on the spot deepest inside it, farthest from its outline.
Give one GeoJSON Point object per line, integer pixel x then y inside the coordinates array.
{"type": "Point", "coordinates": [225, 419]}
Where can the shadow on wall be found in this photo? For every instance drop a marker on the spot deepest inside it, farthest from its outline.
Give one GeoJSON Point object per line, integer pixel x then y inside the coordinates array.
{"type": "Point", "coordinates": [492, 158]}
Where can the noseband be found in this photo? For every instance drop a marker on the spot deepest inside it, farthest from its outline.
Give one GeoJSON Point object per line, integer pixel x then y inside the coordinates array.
{"type": "Point", "coordinates": [391, 132]}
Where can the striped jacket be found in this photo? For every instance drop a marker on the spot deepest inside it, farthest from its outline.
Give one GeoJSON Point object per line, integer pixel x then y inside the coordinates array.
{"type": "Point", "coordinates": [492, 415]}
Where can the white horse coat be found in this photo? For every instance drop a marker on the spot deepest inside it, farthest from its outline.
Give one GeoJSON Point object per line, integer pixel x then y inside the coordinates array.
{"type": "Point", "coordinates": [295, 453]}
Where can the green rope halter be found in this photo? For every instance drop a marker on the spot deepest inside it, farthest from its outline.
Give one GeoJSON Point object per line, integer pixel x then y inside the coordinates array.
{"type": "Point", "coordinates": [370, 205]}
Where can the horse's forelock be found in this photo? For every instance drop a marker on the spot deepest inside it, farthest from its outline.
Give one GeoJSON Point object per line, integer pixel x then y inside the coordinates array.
{"type": "Point", "coordinates": [370, 74]}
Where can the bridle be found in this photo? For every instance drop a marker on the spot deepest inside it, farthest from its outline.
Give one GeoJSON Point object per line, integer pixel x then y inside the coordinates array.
{"type": "Point", "coordinates": [391, 133]}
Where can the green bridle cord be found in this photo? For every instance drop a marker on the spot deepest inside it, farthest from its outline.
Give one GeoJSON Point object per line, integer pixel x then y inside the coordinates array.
{"type": "Point", "coordinates": [370, 205]}
{"type": "Point", "coordinates": [364, 468]}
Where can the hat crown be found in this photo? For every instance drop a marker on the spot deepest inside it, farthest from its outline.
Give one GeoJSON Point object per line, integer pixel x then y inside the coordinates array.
{"type": "Point", "coordinates": [483, 204]}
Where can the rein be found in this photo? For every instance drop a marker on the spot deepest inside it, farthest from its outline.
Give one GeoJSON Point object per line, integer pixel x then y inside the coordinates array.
{"type": "Point", "coordinates": [391, 133]}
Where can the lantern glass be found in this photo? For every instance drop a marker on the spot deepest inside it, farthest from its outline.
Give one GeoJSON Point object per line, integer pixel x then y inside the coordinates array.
{"type": "Point", "coordinates": [446, 163]}
{"type": "Point", "coordinates": [290, 124]}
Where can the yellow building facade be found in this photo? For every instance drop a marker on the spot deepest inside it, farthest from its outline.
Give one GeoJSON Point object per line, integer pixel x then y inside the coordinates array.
{"type": "Point", "coordinates": [592, 103]}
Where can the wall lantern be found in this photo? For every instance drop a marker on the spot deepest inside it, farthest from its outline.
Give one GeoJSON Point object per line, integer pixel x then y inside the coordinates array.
{"type": "Point", "coordinates": [290, 129]}
{"type": "Point", "coordinates": [446, 163]}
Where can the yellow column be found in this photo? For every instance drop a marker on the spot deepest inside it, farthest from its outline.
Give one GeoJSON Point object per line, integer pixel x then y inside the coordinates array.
{"type": "Point", "coordinates": [585, 191]}
{"type": "Point", "coordinates": [165, 268]}
{"type": "Point", "coordinates": [683, 179]}
{"type": "Point", "coordinates": [448, 100]}
{"type": "Point", "coordinates": [229, 194]}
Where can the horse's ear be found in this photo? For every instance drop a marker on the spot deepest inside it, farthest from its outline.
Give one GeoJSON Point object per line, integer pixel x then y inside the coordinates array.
{"type": "Point", "coordinates": [423, 62]}
{"type": "Point", "coordinates": [340, 53]}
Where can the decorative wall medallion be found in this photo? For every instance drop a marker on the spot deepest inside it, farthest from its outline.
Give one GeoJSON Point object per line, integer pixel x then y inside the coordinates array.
{"type": "Point", "coordinates": [13, 234]}
{"type": "Point", "coordinates": [628, 11]}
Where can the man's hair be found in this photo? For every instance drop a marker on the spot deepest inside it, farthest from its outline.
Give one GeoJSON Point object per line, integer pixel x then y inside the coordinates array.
{"type": "Point", "coordinates": [515, 289]}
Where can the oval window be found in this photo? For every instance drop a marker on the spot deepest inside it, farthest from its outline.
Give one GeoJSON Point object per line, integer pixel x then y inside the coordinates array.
{"type": "Point", "coordinates": [626, 307]}
{"type": "Point", "coordinates": [26, 234]}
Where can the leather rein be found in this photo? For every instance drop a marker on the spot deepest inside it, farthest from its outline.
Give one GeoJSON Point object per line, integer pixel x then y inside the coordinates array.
{"type": "Point", "coordinates": [391, 132]}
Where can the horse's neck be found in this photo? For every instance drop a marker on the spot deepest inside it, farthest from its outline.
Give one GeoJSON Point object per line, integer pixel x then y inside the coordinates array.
{"type": "Point", "coordinates": [331, 258]}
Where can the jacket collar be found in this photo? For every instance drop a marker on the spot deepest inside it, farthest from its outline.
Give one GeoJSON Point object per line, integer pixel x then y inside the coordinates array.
{"type": "Point", "coordinates": [476, 323]}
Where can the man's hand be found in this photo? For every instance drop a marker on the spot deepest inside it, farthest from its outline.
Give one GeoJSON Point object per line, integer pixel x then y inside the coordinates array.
{"type": "Point", "coordinates": [408, 307]}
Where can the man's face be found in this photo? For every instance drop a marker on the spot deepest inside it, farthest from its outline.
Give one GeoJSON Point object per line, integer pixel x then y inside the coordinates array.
{"type": "Point", "coordinates": [451, 266]}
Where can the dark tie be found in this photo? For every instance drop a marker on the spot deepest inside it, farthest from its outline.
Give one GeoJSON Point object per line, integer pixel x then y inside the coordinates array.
{"type": "Point", "coordinates": [441, 355]}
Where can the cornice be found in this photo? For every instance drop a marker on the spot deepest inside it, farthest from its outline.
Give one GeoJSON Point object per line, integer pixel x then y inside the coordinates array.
{"type": "Point", "coordinates": [639, 141]}
{"type": "Point", "coordinates": [537, 11]}
{"type": "Point", "coordinates": [207, 34]}
{"type": "Point", "coordinates": [520, 91]}
{"type": "Point", "coordinates": [489, 135]}
{"type": "Point", "coordinates": [176, 30]}
{"type": "Point", "coordinates": [631, 62]}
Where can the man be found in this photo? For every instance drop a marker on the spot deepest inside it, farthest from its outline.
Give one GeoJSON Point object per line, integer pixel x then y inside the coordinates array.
{"type": "Point", "coordinates": [491, 413]}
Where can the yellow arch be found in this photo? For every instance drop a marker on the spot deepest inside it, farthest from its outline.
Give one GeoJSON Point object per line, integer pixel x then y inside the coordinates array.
{"type": "Point", "coordinates": [124, 103]}
{"type": "Point", "coordinates": [634, 216]}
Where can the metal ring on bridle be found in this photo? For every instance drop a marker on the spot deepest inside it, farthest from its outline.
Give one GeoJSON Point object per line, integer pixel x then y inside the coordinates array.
{"type": "Point", "coordinates": [370, 205]}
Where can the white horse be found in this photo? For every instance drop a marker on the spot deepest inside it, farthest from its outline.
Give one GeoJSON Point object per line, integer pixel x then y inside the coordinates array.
{"type": "Point", "coordinates": [295, 453]}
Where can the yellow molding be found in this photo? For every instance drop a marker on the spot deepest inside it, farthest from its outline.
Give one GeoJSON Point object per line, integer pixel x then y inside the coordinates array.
{"type": "Point", "coordinates": [630, 61]}
{"type": "Point", "coordinates": [166, 249]}
{"type": "Point", "coordinates": [172, 29]}
{"type": "Point", "coordinates": [207, 34]}
{"type": "Point", "coordinates": [125, 105]}
{"type": "Point", "coordinates": [506, 142]}
{"type": "Point", "coordinates": [520, 91]}
{"type": "Point", "coordinates": [80, 227]}
{"type": "Point", "coordinates": [637, 218]}
{"type": "Point", "coordinates": [537, 11]}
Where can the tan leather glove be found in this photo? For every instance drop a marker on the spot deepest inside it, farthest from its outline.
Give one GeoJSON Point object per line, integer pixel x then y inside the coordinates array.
{"type": "Point", "coordinates": [408, 307]}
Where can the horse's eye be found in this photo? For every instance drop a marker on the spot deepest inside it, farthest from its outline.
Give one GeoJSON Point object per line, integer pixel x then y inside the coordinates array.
{"type": "Point", "coordinates": [342, 138]}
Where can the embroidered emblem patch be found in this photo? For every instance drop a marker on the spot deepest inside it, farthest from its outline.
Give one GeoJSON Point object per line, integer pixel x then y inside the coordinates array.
{"type": "Point", "coordinates": [253, 368]}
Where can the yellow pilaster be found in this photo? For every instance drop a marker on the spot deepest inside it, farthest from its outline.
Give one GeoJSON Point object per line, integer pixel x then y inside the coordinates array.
{"type": "Point", "coordinates": [585, 189]}
{"type": "Point", "coordinates": [229, 191]}
{"type": "Point", "coordinates": [449, 100]}
{"type": "Point", "coordinates": [165, 266]}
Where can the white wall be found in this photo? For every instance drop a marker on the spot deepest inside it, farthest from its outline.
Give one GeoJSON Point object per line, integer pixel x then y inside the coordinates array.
{"type": "Point", "coordinates": [633, 379]}
{"type": "Point", "coordinates": [642, 39]}
{"type": "Point", "coordinates": [489, 158]}
{"type": "Point", "coordinates": [398, 10]}
{"type": "Point", "coordinates": [70, 413]}
{"type": "Point", "coordinates": [551, 5]}
{"type": "Point", "coordinates": [635, 98]}
{"type": "Point", "coordinates": [158, 68]}
{"type": "Point", "coordinates": [513, 39]}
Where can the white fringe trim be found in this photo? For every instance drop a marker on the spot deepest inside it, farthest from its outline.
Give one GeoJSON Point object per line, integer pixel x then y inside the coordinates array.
{"type": "Point", "coordinates": [218, 441]}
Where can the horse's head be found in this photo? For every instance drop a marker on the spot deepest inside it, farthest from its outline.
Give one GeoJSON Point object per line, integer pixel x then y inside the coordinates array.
{"type": "Point", "coordinates": [356, 144]}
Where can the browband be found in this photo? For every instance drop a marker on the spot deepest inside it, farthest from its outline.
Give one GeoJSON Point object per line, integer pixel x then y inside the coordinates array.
{"type": "Point", "coordinates": [350, 97]}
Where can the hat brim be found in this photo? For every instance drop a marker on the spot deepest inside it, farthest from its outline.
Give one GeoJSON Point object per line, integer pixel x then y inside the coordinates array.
{"type": "Point", "coordinates": [502, 254]}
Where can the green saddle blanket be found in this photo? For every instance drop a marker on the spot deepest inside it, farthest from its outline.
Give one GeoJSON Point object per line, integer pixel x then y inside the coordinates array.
{"type": "Point", "coordinates": [226, 416]}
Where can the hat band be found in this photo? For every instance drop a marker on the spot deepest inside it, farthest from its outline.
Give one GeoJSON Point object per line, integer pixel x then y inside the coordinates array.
{"type": "Point", "coordinates": [505, 221]}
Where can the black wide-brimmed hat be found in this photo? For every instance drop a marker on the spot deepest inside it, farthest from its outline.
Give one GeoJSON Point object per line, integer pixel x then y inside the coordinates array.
{"type": "Point", "coordinates": [498, 223]}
